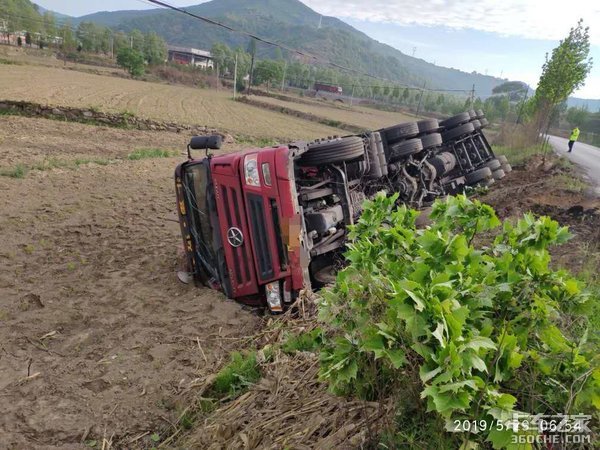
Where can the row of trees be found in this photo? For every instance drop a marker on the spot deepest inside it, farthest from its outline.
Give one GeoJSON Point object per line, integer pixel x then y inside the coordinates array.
{"type": "Point", "coordinates": [503, 105]}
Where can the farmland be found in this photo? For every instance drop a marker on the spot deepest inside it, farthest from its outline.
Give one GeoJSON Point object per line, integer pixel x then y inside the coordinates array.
{"type": "Point", "coordinates": [90, 307]}
{"type": "Point", "coordinates": [358, 116]}
{"type": "Point", "coordinates": [187, 105]}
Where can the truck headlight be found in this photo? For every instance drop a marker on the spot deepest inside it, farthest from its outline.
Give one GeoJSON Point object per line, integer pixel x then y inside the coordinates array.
{"type": "Point", "coordinates": [273, 292]}
{"type": "Point", "coordinates": [251, 171]}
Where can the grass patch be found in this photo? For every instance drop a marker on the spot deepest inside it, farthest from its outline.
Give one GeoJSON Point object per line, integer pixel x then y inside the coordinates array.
{"type": "Point", "coordinates": [10, 62]}
{"type": "Point", "coordinates": [518, 156]}
{"type": "Point", "coordinates": [570, 183]}
{"type": "Point", "coordinates": [147, 153]}
{"type": "Point", "coordinates": [257, 142]}
{"type": "Point", "coordinates": [19, 171]}
{"type": "Point", "coordinates": [237, 375]}
{"type": "Point", "coordinates": [304, 342]}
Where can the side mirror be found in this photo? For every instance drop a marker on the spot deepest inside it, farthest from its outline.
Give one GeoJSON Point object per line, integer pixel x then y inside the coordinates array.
{"type": "Point", "coordinates": [206, 142]}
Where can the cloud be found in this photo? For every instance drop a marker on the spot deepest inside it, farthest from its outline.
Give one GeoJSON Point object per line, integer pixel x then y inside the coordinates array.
{"type": "Point", "coordinates": [533, 19]}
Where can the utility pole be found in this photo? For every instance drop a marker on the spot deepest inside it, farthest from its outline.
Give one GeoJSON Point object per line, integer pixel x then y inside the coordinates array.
{"type": "Point", "coordinates": [320, 22]}
{"type": "Point", "coordinates": [235, 76]}
{"type": "Point", "coordinates": [112, 47]}
{"type": "Point", "coordinates": [414, 51]}
{"type": "Point", "coordinates": [130, 41]}
{"type": "Point", "coordinates": [283, 79]}
{"type": "Point", "coordinates": [421, 97]}
{"type": "Point", "coordinates": [251, 72]}
{"type": "Point", "coordinates": [522, 106]}
{"type": "Point", "coordinates": [473, 95]}
{"type": "Point", "coordinates": [352, 95]}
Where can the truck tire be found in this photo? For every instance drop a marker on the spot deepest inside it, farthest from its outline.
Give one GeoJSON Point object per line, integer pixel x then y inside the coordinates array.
{"type": "Point", "coordinates": [503, 159]}
{"type": "Point", "coordinates": [401, 131]}
{"type": "Point", "coordinates": [478, 175]}
{"type": "Point", "coordinates": [487, 182]}
{"type": "Point", "coordinates": [507, 168]}
{"type": "Point", "coordinates": [480, 114]}
{"type": "Point", "coordinates": [498, 174]}
{"type": "Point", "coordinates": [333, 151]}
{"type": "Point", "coordinates": [456, 132]}
{"type": "Point", "coordinates": [428, 126]}
{"type": "Point", "coordinates": [431, 140]}
{"type": "Point", "coordinates": [493, 164]}
{"type": "Point", "coordinates": [484, 122]}
{"type": "Point", "coordinates": [476, 124]}
{"type": "Point", "coordinates": [472, 114]}
{"type": "Point", "coordinates": [404, 148]}
{"type": "Point", "coordinates": [456, 120]}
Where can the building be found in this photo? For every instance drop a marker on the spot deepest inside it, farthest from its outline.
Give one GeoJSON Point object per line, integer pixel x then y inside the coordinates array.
{"type": "Point", "coordinates": [190, 56]}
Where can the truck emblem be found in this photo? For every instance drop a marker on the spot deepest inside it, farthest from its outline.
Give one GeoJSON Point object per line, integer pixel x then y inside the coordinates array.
{"type": "Point", "coordinates": [235, 237]}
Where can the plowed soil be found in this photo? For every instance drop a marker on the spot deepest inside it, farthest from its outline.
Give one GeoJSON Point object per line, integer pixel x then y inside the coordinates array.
{"type": "Point", "coordinates": [96, 332]}
{"type": "Point", "coordinates": [204, 107]}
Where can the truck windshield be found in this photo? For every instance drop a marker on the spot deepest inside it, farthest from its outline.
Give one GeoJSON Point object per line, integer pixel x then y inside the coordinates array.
{"type": "Point", "coordinates": [198, 200]}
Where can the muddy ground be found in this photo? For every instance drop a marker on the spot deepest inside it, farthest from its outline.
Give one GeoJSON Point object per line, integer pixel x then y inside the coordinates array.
{"type": "Point", "coordinates": [97, 336]}
{"type": "Point", "coordinates": [96, 333]}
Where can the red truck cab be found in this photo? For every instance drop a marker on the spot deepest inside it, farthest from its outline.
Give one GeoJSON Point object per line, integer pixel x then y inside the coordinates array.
{"type": "Point", "coordinates": [242, 225]}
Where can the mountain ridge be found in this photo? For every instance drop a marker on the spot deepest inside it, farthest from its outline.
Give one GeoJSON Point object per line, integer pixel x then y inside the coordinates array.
{"type": "Point", "coordinates": [292, 23]}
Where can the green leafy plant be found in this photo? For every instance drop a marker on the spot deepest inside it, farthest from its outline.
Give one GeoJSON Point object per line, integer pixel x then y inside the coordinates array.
{"type": "Point", "coordinates": [237, 375]}
{"type": "Point", "coordinates": [466, 324]}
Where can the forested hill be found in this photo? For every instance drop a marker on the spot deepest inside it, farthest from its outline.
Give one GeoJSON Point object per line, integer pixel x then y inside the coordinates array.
{"type": "Point", "coordinates": [292, 23]}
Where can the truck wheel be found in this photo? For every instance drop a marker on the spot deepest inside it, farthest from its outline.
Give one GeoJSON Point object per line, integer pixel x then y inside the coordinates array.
{"type": "Point", "coordinates": [478, 175]}
{"type": "Point", "coordinates": [480, 114]}
{"type": "Point", "coordinates": [472, 114]}
{"type": "Point", "coordinates": [333, 151]}
{"type": "Point", "coordinates": [507, 168]}
{"type": "Point", "coordinates": [428, 126]}
{"type": "Point", "coordinates": [456, 132]}
{"type": "Point", "coordinates": [431, 140]}
{"type": "Point", "coordinates": [503, 159]}
{"type": "Point", "coordinates": [456, 120]}
{"type": "Point", "coordinates": [399, 132]}
{"type": "Point", "coordinates": [498, 174]}
{"type": "Point", "coordinates": [493, 164]}
{"type": "Point", "coordinates": [404, 148]}
{"type": "Point", "coordinates": [484, 122]}
{"type": "Point", "coordinates": [487, 182]}
{"type": "Point", "coordinates": [476, 124]}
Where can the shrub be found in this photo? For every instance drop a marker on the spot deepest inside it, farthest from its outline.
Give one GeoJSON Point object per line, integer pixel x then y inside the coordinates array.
{"type": "Point", "coordinates": [131, 60]}
{"type": "Point", "coordinates": [469, 331]}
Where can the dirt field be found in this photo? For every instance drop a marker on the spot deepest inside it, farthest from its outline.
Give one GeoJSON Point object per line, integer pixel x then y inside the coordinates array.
{"type": "Point", "coordinates": [182, 104]}
{"type": "Point", "coordinates": [96, 333]}
{"type": "Point", "coordinates": [368, 118]}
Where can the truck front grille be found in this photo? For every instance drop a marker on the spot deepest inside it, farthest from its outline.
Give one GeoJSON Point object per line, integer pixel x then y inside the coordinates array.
{"type": "Point", "coordinates": [231, 203]}
{"type": "Point", "coordinates": [258, 223]}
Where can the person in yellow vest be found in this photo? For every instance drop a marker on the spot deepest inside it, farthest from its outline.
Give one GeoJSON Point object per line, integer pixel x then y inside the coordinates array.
{"type": "Point", "coordinates": [573, 138]}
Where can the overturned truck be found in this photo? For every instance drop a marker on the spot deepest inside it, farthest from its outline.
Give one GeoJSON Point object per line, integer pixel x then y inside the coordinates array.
{"type": "Point", "coordinates": [262, 224]}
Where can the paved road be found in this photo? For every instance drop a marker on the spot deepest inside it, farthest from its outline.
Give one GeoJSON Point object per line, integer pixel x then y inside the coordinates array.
{"type": "Point", "coordinates": [584, 155]}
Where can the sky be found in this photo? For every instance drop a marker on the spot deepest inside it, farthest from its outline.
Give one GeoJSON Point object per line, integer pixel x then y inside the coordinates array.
{"type": "Point", "coordinates": [507, 38]}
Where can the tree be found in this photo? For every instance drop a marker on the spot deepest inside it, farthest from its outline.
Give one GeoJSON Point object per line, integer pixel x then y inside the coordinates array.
{"type": "Point", "coordinates": [68, 39]}
{"type": "Point", "coordinates": [268, 71]}
{"type": "Point", "coordinates": [406, 95]}
{"type": "Point", "coordinates": [563, 73]}
{"type": "Point", "coordinates": [28, 38]}
{"type": "Point", "coordinates": [19, 41]}
{"type": "Point", "coordinates": [577, 116]}
{"type": "Point", "coordinates": [136, 40]}
{"type": "Point", "coordinates": [221, 55]}
{"type": "Point", "coordinates": [155, 49]}
{"type": "Point", "coordinates": [131, 60]}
